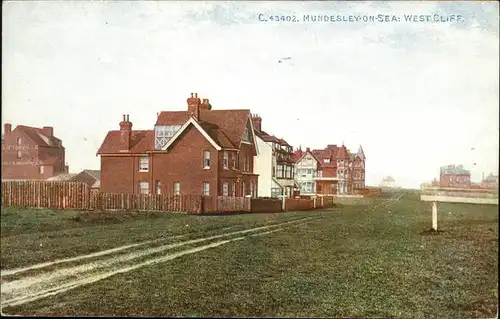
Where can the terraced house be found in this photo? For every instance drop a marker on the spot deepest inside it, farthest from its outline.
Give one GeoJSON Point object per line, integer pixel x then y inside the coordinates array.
{"type": "Point", "coordinates": [31, 153]}
{"type": "Point", "coordinates": [197, 151]}
{"type": "Point", "coordinates": [275, 164]}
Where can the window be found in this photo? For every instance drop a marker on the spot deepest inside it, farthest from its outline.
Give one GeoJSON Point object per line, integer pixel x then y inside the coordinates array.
{"type": "Point", "coordinates": [243, 193]}
{"type": "Point", "coordinates": [163, 133]}
{"type": "Point", "coordinates": [18, 141]}
{"type": "Point", "coordinates": [233, 191]}
{"type": "Point", "coordinates": [42, 169]}
{"type": "Point", "coordinates": [251, 189]}
{"type": "Point", "coordinates": [245, 167]}
{"type": "Point", "coordinates": [206, 159]}
{"type": "Point", "coordinates": [19, 155]}
{"type": "Point", "coordinates": [143, 187]}
{"type": "Point", "coordinates": [177, 188]}
{"type": "Point", "coordinates": [233, 160]}
{"type": "Point", "coordinates": [143, 164]}
{"type": "Point", "coordinates": [225, 189]}
{"type": "Point", "coordinates": [225, 160]}
{"type": "Point", "coordinates": [206, 188]}
{"type": "Point", "coordinates": [326, 160]}
{"type": "Point", "coordinates": [158, 187]}
{"type": "Point", "coordinates": [246, 134]}
{"type": "Point", "coordinates": [237, 160]}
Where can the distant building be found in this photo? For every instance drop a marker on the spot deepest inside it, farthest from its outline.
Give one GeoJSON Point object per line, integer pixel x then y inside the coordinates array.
{"type": "Point", "coordinates": [454, 176]}
{"type": "Point", "coordinates": [336, 170]}
{"type": "Point", "coordinates": [31, 153]}
{"type": "Point", "coordinates": [89, 177]}
{"type": "Point", "coordinates": [490, 182]}
{"type": "Point", "coordinates": [388, 182]}
{"type": "Point", "coordinates": [63, 177]}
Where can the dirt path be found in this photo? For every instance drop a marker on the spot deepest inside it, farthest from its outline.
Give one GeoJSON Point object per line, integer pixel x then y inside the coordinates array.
{"type": "Point", "coordinates": [389, 202]}
{"type": "Point", "coordinates": [31, 288]}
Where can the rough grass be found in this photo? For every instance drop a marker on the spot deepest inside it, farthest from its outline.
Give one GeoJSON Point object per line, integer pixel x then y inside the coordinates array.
{"type": "Point", "coordinates": [31, 236]}
{"type": "Point", "coordinates": [350, 263]}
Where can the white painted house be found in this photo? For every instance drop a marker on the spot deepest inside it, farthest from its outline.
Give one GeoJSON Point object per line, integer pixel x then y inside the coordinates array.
{"type": "Point", "coordinates": [274, 164]}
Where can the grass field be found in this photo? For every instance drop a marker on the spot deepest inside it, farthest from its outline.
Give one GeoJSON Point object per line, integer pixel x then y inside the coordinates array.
{"type": "Point", "coordinates": [366, 261]}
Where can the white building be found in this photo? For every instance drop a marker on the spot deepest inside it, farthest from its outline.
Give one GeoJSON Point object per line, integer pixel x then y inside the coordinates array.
{"type": "Point", "coordinates": [274, 164]}
{"type": "Point", "coordinates": [306, 168]}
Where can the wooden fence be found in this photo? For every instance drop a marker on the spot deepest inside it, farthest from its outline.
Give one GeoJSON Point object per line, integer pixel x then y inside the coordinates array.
{"type": "Point", "coordinates": [44, 194]}
{"type": "Point", "coordinates": [77, 195]}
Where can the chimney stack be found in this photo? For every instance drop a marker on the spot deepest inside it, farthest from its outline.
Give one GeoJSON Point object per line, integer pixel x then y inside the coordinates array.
{"type": "Point", "coordinates": [48, 131]}
{"type": "Point", "coordinates": [205, 105]}
{"type": "Point", "coordinates": [308, 149]}
{"type": "Point", "coordinates": [194, 106]}
{"type": "Point", "coordinates": [125, 133]}
{"type": "Point", "coordinates": [7, 128]}
{"type": "Point", "coordinates": [257, 122]}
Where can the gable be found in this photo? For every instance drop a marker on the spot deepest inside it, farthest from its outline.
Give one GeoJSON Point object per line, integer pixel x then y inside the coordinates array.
{"type": "Point", "coordinates": [190, 123]}
{"type": "Point", "coordinates": [248, 136]}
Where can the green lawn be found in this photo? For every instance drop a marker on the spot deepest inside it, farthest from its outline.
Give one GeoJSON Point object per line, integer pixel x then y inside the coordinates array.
{"type": "Point", "coordinates": [348, 262]}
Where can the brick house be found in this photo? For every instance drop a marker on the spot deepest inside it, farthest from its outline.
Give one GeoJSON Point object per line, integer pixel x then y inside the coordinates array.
{"type": "Point", "coordinates": [454, 176]}
{"type": "Point", "coordinates": [274, 164]}
{"type": "Point", "coordinates": [198, 151]}
{"type": "Point", "coordinates": [338, 170]}
{"type": "Point", "coordinates": [490, 182]}
{"type": "Point", "coordinates": [31, 153]}
{"type": "Point", "coordinates": [357, 167]}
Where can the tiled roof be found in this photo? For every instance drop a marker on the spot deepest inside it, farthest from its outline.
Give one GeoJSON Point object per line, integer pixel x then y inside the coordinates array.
{"type": "Point", "coordinates": [61, 177]}
{"type": "Point", "coordinates": [140, 142]}
{"type": "Point", "coordinates": [217, 135]}
{"type": "Point", "coordinates": [94, 173]}
{"type": "Point", "coordinates": [172, 118]}
{"type": "Point", "coordinates": [225, 127]}
{"type": "Point", "coordinates": [37, 136]}
{"type": "Point", "coordinates": [454, 170]}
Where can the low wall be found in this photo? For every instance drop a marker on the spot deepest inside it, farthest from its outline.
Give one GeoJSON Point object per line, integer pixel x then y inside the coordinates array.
{"type": "Point", "coordinates": [457, 199]}
{"type": "Point", "coordinates": [298, 204]}
{"type": "Point", "coordinates": [266, 205]}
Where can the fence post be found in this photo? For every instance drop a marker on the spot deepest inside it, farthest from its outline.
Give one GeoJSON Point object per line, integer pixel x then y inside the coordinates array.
{"type": "Point", "coordinates": [283, 203]}
{"type": "Point", "coordinates": [434, 216]}
{"type": "Point", "coordinates": [314, 202]}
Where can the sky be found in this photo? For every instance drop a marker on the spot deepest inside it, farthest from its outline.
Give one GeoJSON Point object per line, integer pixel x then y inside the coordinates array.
{"type": "Point", "coordinates": [415, 95]}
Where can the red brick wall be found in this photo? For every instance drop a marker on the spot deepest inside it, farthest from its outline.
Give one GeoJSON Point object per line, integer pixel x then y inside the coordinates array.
{"type": "Point", "coordinates": [292, 204]}
{"type": "Point", "coordinates": [184, 163]}
{"type": "Point", "coordinates": [266, 205]}
{"type": "Point", "coordinates": [28, 166]}
{"type": "Point", "coordinates": [463, 182]}
{"type": "Point", "coordinates": [117, 174]}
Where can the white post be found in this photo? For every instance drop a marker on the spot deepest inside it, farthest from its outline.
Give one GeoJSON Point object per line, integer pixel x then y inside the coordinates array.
{"type": "Point", "coordinates": [283, 202]}
{"type": "Point", "coordinates": [314, 202]}
{"type": "Point", "coordinates": [434, 216]}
